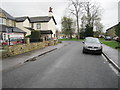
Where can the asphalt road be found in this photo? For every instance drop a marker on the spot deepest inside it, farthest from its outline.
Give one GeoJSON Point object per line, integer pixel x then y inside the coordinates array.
{"type": "Point", "coordinates": [66, 67]}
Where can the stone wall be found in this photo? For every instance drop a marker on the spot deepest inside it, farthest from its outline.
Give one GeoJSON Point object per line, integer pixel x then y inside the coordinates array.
{"type": "Point", "coordinates": [19, 49]}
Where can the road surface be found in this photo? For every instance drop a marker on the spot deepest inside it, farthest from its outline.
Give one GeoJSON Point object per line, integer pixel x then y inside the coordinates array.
{"type": "Point", "coordinates": [66, 67]}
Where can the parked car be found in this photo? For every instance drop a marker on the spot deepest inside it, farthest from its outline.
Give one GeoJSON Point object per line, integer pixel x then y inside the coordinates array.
{"type": "Point", "coordinates": [92, 45]}
{"type": "Point", "coordinates": [118, 39]}
{"type": "Point", "coordinates": [115, 38]}
{"type": "Point", "coordinates": [108, 38]}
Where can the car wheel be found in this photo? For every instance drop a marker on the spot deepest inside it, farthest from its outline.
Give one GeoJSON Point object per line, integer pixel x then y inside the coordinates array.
{"type": "Point", "coordinates": [83, 51]}
{"type": "Point", "coordinates": [100, 53]}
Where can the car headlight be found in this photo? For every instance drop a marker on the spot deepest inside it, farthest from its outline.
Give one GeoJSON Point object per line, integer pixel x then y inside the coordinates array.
{"type": "Point", "coordinates": [85, 46]}
{"type": "Point", "coordinates": [100, 47]}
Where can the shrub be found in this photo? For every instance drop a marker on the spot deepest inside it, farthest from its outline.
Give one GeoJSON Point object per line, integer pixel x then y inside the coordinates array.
{"type": "Point", "coordinates": [35, 36]}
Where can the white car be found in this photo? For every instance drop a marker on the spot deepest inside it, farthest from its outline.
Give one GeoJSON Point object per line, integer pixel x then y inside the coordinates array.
{"type": "Point", "coordinates": [92, 45]}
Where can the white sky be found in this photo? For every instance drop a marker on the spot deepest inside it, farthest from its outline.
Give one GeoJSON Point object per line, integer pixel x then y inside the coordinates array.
{"type": "Point", "coordinates": [40, 8]}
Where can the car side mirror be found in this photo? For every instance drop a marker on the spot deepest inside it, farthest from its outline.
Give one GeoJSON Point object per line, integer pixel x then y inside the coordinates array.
{"type": "Point", "coordinates": [83, 42]}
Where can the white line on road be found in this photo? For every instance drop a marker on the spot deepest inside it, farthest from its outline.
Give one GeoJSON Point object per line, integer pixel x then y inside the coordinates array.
{"type": "Point", "coordinates": [111, 66]}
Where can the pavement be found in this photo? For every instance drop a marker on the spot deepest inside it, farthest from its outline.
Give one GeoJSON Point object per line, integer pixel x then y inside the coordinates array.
{"type": "Point", "coordinates": [112, 55]}
{"type": "Point", "coordinates": [11, 62]}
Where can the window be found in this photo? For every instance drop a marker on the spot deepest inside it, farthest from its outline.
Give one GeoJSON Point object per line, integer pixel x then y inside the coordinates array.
{"type": "Point", "coordinates": [38, 26]}
{"type": "Point", "coordinates": [2, 21]}
{"type": "Point", "coordinates": [10, 22]}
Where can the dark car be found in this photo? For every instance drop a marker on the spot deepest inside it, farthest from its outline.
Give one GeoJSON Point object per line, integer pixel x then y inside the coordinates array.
{"type": "Point", "coordinates": [92, 45]}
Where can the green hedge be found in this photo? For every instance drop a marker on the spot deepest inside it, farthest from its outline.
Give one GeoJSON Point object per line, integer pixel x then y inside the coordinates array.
{"type": "Point", "coordinates": [35, 35]}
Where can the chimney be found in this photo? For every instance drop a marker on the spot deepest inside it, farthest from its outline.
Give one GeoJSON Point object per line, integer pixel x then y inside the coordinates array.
{"type": "Point", "coordinates": [50, 11]}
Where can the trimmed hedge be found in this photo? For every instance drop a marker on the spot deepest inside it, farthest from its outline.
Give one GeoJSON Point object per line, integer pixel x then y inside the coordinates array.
{"type": "Point", "coordinates": [35, 36]}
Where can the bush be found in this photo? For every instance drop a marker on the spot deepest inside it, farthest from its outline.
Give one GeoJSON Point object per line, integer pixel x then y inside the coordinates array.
{"type": "Point", "coordinates": [35, 36]}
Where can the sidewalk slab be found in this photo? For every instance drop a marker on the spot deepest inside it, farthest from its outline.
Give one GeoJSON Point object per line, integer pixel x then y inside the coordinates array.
{"type": "Point", "coordinates": [20, 59]}
{"type": "Point", "coordinates": [111, 53]}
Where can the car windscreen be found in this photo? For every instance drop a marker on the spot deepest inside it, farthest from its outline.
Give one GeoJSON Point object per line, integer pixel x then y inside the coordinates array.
{"type": "Point", "coordinates": [92, 40]}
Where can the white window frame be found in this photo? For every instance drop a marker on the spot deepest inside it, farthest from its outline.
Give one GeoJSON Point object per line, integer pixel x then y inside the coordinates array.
{"type": "Point", "coordinates": [38, 26]}
{"type": "Point", "coordinates": [3, 21]}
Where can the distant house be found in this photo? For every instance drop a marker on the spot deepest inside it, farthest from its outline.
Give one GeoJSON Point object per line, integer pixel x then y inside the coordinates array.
{"type": "Point", "coordinates": [46, 25]}
{"type": "Point", "coordinates": [8, 29]}
{"type": "Point", "coordinates": [111, 31]}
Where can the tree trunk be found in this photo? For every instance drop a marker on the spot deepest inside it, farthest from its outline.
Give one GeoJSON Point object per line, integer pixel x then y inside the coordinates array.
{"type": "Point", "coordinates": [70, 36]}
{"type": "Point", "coordinates": [78, 33]}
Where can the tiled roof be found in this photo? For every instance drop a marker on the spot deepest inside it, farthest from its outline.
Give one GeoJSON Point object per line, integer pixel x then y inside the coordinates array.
{"type": "Point", "coordinates": [8, 16]}
{"type": "Point", "coordinates": [41, 19]}
{"type": "Point", "coordinates": [21, 19]}
{"type": "Point", "coordinates": [4, 28]}
{"type": "Point", "coordinates": [31, 19]}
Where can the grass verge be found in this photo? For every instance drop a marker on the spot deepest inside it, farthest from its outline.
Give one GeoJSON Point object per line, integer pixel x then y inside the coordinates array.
{"type": "Point", "coordinates": [111, 43]}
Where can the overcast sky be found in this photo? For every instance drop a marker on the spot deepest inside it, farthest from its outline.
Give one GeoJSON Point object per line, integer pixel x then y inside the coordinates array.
{"type": "Point", "coordinates": [32, 8]}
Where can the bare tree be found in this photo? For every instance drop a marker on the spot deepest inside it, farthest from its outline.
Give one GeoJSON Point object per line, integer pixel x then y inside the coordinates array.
{"type": "Point", "coordinates": [92, 12]}
{"type": "Point", "coordinates": [99, 28]}
{"type": "Point", "coordinates": [75, 8]}
{"type": "Point", "coordinates": [89, 11]}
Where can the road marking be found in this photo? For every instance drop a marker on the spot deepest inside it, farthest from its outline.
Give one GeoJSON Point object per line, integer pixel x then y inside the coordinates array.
{"type": "Point", "coordinates": [111, 66]}
{"type": "Point", "coordinates": [113, 69]}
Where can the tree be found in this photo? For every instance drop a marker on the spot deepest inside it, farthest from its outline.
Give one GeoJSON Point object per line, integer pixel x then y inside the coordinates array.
{"type": "Point", "coordinates": [67, 26]}
{"type": "Point", "coordinates": [83, 26]}
{"type": "Point", "coordinates": [92, 14]}
{"type": "Point", "coordinates": [75, 9]}
{"type": "Point", "coordinates": [89, 31]}
{"type": "Point", "coordinates": [99, 28]}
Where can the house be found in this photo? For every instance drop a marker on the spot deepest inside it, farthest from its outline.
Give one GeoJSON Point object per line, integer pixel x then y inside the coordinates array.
{"type": "Point", "coordinates": [111, 31]}
{"type": "Point", "coordinates": [8, 29]}
{"type": "Point", "coordinates": [24, 24]}
{"type": "Point", "coordinates": [45, 24]}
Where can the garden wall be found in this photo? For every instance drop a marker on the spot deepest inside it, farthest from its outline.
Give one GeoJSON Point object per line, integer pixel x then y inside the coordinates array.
{"type": "Point", "coordinates": [19, 49]}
